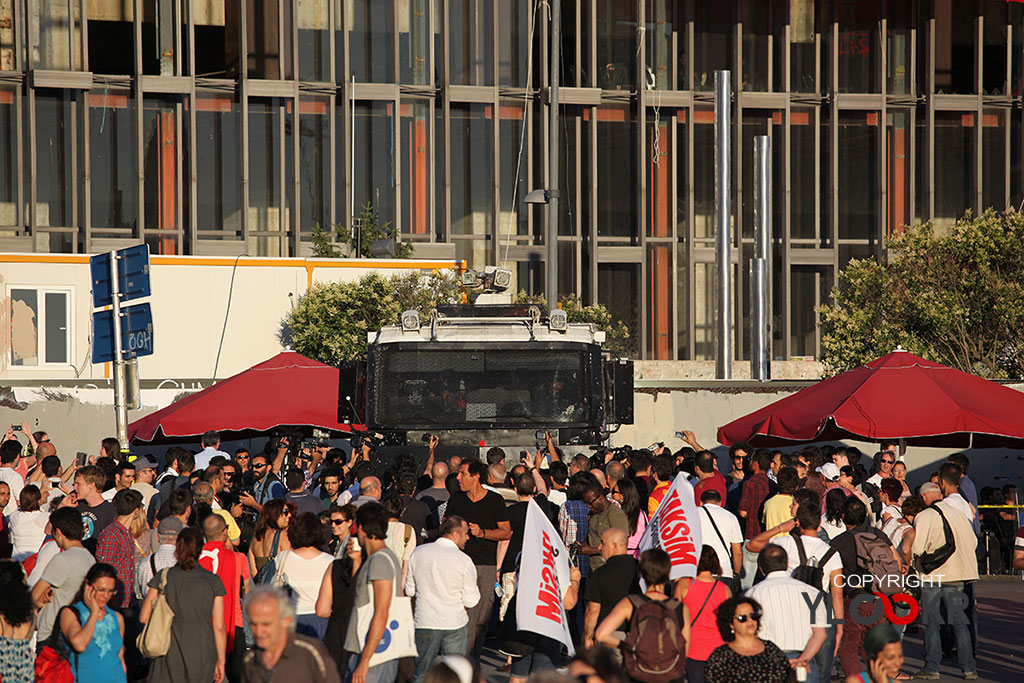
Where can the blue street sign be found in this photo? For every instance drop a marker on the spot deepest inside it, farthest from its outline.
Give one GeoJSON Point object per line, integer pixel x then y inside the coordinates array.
{"type": "Point", "coordinates": [132, 272]}
{"type": "Point", "coordinates": [136, 333]}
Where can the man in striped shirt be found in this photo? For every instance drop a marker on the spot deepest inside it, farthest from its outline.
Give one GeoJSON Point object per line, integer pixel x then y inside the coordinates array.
{"type": "Point", "coordinates": [794, 615]}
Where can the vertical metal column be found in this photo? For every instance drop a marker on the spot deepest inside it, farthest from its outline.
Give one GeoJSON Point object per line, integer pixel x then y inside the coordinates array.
{"type": "Point", "coordinates": [120, 408]}
{"type": "Point", "coordinates": [723, 224]}
{"type": "Point", "coordinates": [760, 265]}
{"type": "Point", "coordinates": [551, 278]}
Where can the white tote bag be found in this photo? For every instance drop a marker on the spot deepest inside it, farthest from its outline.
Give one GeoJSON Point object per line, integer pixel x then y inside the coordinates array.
{"type": "Point", "coordinates": [399, 639]}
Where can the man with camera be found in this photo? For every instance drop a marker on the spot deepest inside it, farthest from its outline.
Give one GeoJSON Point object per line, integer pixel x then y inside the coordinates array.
{"type": "Point", "coordinates": [266, 485]}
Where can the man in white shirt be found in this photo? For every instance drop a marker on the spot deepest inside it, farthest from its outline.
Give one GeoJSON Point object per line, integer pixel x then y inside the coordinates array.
{"type": "Point", "coordinates": [167, 531]}
{"type": "Point", "coordinates": [443, 580]}
{"type": "Point", "coordinates": [785, 602]}
{"type": "Point", "coordinates": [885, 460]}
{"type": "Point", "coordinates": [949, 484]}
{"type": "Point", "coordinates": [720, 529]}
{"type": "Point", "coordinates": [817, 553]}
{"type": "Point", "coordinates": [211, 448]}
{"type": "Point", "coordinates": [124, 477]}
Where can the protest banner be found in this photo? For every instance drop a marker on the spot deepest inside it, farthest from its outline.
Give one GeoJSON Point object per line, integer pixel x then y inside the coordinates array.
{"type": "Point", "coordinates": [543, 579]}
{"type": "Point", "coordinates": [675, 528]}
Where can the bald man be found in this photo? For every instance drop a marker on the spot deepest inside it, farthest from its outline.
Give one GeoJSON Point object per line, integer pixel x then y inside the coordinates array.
{"type": "Point", "coordinates": [618, 577]}
{"type": "Point", "coordinates": [436, 494]}
{"type": "Point", "coordinates": [369, 491]}
{"type": "Point", "coordinates": [218, 557]}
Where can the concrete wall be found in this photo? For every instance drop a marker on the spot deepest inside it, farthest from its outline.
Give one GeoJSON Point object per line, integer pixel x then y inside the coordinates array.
{"type": "Point", "coordinates": [202, 307]}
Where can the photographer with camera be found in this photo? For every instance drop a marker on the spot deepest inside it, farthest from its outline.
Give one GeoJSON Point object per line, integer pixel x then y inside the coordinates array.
{"type": "Point", "coordinates": [266, 485]}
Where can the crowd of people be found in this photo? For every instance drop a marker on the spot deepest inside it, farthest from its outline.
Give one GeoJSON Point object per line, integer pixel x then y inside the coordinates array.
{"type": "Point", "coordinates": [320, 562]}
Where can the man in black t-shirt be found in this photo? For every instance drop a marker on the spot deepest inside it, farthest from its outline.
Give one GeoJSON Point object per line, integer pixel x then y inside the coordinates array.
{"type": "Point", "coordinates": [487, 516]}
{"type": "Point", "coordinates": [609, 583]}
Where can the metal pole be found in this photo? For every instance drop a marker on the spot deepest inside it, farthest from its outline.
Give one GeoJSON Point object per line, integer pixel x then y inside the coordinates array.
{"type": "Point", "coordinates": [553, 156]}
{"type": "Point", "coordinates": [120, 408]}
{"type": "Point", "coordinates": [760, 265]}
{"type": "Point", "coordinates": [352, 165]}
{"type": "Point", "coordinates": [723, 223]}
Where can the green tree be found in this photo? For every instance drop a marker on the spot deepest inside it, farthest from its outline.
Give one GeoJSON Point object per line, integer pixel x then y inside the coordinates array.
{"type": "Point", "coordinates": [617, 335]}
{"type": "Point", "coordinates": [955, 298]}
{"type": "Point", "coordinates": [331, 321]}
{"type": "Point", "coordinates": [325, 242]}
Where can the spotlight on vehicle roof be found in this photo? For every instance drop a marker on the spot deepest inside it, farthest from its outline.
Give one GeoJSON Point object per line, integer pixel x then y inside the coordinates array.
{"type": "Point", "coordinates": [558, 320]}
{"type": "Point", "coordinates": [501, 279]}
{"type": "Point", "coordinates": [469, 278]}
{"type": "Point", "coordinates": [383, 248]}
{"type": "Point", "coordinates": [411, 321]}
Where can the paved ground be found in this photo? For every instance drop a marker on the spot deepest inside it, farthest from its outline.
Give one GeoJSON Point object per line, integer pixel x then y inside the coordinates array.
{"type": "Point", "coordinates": [1000, 638]}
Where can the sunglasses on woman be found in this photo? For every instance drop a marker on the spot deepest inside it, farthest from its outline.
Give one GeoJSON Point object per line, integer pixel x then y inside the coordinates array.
{"type": "Point", "coordinates": [742, 618]}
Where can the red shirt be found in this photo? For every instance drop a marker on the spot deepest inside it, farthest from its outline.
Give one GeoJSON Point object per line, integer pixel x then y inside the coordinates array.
{"type": "Point", "coordinates": [716, 482]}
{"type": "Point", "coordinates": [221, 561]}
{"type": "Point", "coordinates": [755, 490]}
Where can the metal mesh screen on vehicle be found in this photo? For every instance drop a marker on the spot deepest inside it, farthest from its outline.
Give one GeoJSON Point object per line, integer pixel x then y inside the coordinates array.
{"type": "Point", "coordinates": [495, 387]}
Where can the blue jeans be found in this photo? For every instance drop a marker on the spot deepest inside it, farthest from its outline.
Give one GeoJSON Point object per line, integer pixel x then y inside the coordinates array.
{"type": "Point", "coordinates": [382, 673]}
{"type": "Point", "coordinates": [826, 655]}
{"type": "Point", "coordinates": [433, 642]}
{"type": "Point", "coordinates": [953, 598]}
{"type": "Point", "coordinates": [749, 568]}
{"type": "Point", "coordinates": [812, 665]}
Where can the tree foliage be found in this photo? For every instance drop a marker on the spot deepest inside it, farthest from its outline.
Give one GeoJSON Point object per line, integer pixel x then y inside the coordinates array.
{"type": "Point", "coordinates": [325, 241]}
{"type": "Point", "coordinates": [331, 321]}
{"type": "Point", "coordinates": [617, 334]}
{"type": "Point", "coordinates": [955, 298]}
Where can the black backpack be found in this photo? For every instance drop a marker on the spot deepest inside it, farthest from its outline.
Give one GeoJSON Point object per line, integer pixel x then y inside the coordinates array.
{"type": "Point", "coordinates": [810, 574]}
{"type": "Point", "coordinates": [653, 649]}
{"type": "Point", "coordinates": [938, 557]}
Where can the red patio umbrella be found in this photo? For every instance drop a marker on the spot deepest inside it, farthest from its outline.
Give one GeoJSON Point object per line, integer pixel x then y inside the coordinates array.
{"type": "Point", "coordinates": [898, 396]}
{"type": "Point", "coordinates": [289, 390]}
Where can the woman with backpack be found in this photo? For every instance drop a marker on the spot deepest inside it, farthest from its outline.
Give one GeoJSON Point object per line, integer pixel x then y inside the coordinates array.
{"type": "Point", "coordinates": [654, 649]}
{"type": "Point", "coordinates": [700, 629]}
{"type": "Point", "coordinates": [95, 631]}
{"type": "Point", "coordinates": [744, 658]}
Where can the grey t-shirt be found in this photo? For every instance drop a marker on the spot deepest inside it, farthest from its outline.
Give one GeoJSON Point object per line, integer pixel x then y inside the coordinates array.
{"type": "Point", "coordinates": [65, 573]}
{"type": "Point", "coordinates": [381, 566]}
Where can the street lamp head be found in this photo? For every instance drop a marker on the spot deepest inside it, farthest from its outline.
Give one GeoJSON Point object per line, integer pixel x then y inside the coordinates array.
{"type": "Point", "coordinates": [539, 196]}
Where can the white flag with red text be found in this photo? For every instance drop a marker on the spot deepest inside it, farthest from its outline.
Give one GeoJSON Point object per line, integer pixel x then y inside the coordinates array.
{"type": "Point", "coordinates": [543, 579]}
{"type": "Point", "coordinates": [675, 528]}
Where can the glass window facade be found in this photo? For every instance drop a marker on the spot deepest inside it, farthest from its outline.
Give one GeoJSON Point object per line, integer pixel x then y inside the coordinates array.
{"type": "Point", "coordinates": [881, 113]}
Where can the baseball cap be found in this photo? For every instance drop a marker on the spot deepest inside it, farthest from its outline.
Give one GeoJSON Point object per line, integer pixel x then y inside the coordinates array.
{"type": "Point", "coordinates": [144, 462]}
{"type": "Point", "coordinates": [830, 471]}
{"type": "Point", "coordinates": [169, 526]}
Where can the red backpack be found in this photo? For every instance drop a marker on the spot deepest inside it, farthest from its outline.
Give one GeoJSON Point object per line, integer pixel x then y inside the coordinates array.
{"type": "Point", "coordinates": [52, 662]}
{"type": "Point", "coordinates": [29, 563]}
{"type": "Point", "coordinates": [653, 649]}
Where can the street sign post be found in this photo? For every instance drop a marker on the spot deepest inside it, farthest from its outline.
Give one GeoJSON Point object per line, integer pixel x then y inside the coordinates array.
{"type": "Point", "coordinates": [121, 333]}
{"type": "Point", "coordinates": [136, 333]}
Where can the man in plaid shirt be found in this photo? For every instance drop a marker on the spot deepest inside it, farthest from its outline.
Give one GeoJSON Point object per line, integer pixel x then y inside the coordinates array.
{"type": "Point", "coordinates": [116, 547]}
{"type": "Point", "coordinates": [755, 490]}
{"type": "Point", "coordinates": [574, 525]}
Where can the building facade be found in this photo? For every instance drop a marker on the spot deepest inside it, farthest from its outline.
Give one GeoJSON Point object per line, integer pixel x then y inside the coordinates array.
{"type": "Point", "coordinates": [226, 127]}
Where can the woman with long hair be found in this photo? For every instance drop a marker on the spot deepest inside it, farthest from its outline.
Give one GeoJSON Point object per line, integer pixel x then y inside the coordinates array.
{"type": "Point", "coordinates": [94, 630]}
{"type": "Point", "coordinates": [337, 592]}
{"type": "Point", "coordinates": [28, 523]}
{"type": "Point", "coordinates": [305, 565]}
{"type": "Point", "coordinates": [17, 623]}
{"type": "Point", "coordinates": [196, 596]}
{"type": "Point", "coordinates": [269, 538]}
{"type": "Point", "coordinates": [628, 498]}
{"type": "Point", "coordinates": [832, 522]}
